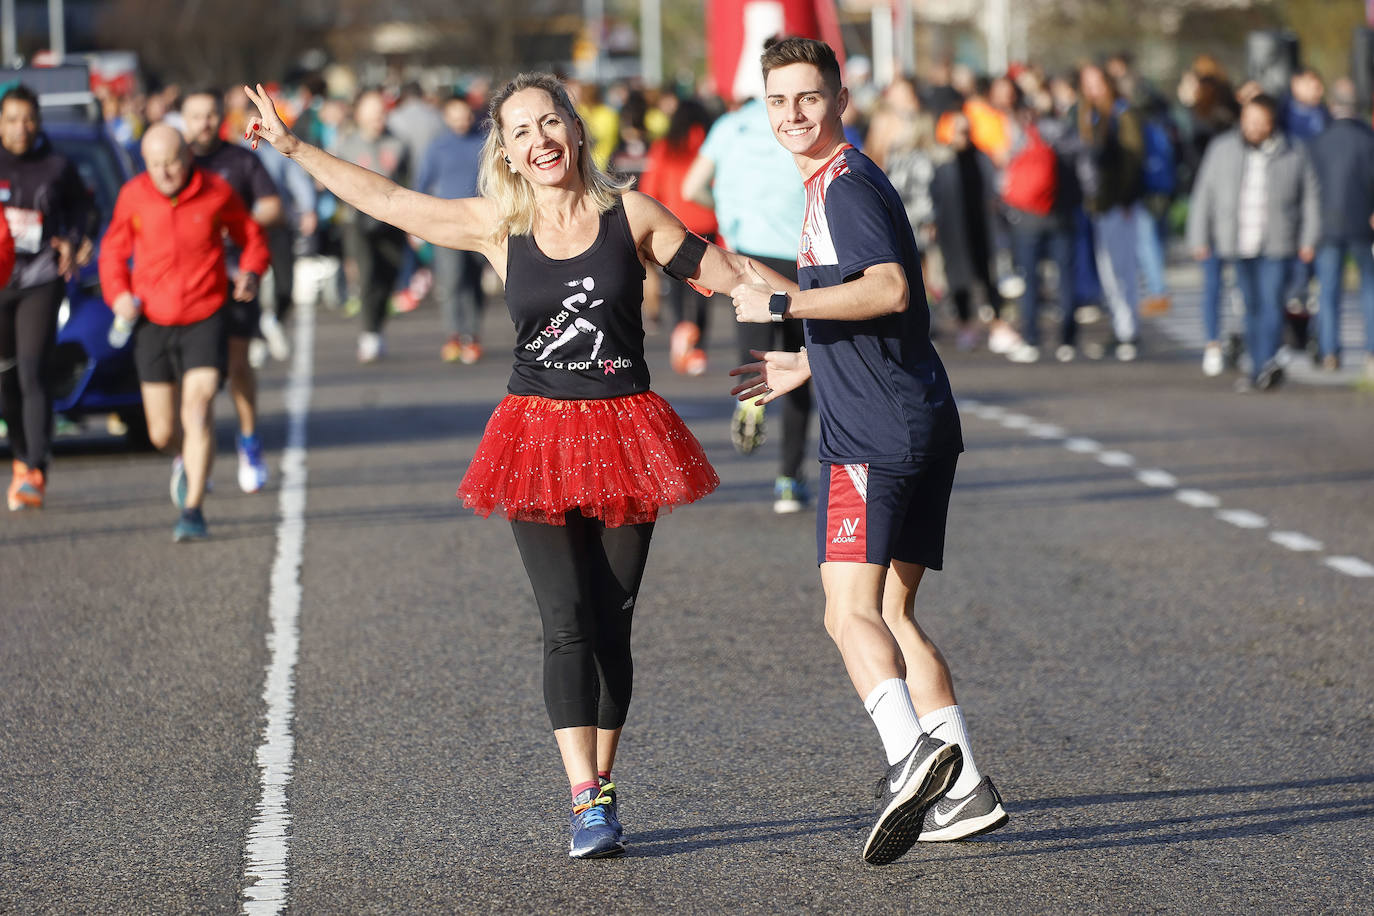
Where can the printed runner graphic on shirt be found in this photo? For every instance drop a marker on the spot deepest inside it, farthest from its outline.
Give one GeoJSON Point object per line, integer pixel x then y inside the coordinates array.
{"type": "Point", "coordinates": [574, 327]}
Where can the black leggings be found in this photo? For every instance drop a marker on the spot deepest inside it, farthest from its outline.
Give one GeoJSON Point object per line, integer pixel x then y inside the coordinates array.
{"type": "Point", "coordinates": [28, 344]}
{"type": "Point", "coordinates": [586, 579]}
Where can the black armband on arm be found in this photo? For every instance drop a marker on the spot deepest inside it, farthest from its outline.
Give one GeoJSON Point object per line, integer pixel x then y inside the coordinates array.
{"type": "Point", "coordinates": [688, 258]}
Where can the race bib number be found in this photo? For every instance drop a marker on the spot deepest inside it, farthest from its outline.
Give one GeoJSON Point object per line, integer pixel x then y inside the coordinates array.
{"type": "Point", "coordinates": [27, 228]}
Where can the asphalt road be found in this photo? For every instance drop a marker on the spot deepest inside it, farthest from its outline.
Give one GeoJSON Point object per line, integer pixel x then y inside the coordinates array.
{"type": "Point", "coordinates": [1153, 603]}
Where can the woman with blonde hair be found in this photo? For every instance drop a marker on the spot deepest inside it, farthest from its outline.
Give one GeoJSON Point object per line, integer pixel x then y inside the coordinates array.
{"type": "Point", "coordinates": [580, 455]}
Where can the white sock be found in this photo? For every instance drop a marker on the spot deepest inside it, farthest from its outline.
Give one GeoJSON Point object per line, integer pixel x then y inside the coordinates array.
{"type": "Point", "coordinates": [890, 707]}
{"type": "Point", "coordinates": [947, 724]}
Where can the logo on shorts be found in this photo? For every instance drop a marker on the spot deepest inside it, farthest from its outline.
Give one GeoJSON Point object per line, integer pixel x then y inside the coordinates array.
{"type": "Point", "coordinates": [848, 533]}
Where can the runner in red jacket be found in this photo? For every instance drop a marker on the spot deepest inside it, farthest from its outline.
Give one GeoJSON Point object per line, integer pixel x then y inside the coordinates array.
{"type": "Point", "coordinates": [171, 221]}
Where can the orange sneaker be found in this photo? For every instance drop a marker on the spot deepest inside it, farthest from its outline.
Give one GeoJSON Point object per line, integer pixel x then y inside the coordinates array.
{"type": "Point", "coordinates": [680, 345]}
{"type": "Point", "coordinates": [470, 352]}
{"type": "Point", "coordinates": [1155, 306]}
{"type": "Point", "coordinates": [452, 350]}
{"type": "Point", "coordinates": [21, 473]}
{"type": "Point", "coordinates": [695, 363]}
{"type": "Point", "coordinates": [29, 493]}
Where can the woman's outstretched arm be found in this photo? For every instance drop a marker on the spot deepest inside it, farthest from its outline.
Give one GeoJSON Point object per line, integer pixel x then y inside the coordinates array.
{"type": "Point", "coordinates": [467, 223]}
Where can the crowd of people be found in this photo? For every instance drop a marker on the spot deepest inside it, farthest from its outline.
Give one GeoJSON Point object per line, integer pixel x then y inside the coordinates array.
{"type": "Point", "coordinates": [1023, 189]}
{"type": "Point", "coordinates": [848, 228]}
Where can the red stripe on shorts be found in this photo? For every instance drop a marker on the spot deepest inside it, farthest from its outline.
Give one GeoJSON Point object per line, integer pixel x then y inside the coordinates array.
{"type": "Point", "coordinates": [846, 519]}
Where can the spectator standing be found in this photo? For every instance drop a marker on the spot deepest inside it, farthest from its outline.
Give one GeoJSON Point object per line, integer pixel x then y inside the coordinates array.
{"type": "Point", "coordinates": [963, 190]}
{"type": "Point", "coordinates": [1112, 131]}
{"type": "Point", "coordinates": [169, 221]}
{"type": "Point", "coordinates": [202, 113]}
{"type": "Point", "coordinates": [376, 248]}
{"type": "Point", "coordinates": [1039, 197]}
{"type": "Point", "coordinates": [1304, 115]}
{"type": "Point", "coordinates": [1343, 158]}
{"type": "Point", "coordinates": [752, 183]}
{"type": "Point", "coordinates": [50, 215]}
{"type": "Point", "coordinates": [449, 170]}
{"type": "Point", "coordinates": [1255, 203]}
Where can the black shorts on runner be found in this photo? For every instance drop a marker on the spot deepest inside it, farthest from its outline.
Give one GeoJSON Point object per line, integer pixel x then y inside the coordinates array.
{"type": "Point", "coordinates": [242, 319]}
{"type": "Point", "coordinates": [877, 513]}
{"type": "Point", "coordinates": [164, 353]}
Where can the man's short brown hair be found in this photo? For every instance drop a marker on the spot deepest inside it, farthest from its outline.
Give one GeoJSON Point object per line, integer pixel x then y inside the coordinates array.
{"type": "Point", "coordinates": [803, 51]}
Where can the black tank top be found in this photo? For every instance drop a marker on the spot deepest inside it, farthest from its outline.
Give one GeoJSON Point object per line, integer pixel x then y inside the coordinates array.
{"type": "Point", "coordinates": [578, 330]}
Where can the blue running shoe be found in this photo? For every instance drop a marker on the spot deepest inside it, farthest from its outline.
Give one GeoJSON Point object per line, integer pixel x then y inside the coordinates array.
{"type": "Point", "coordinates": [593, 837]}
{"type": "Point", "coordinates": [190, 527]}
{"type": "Point", "coordinates": [252, 467]}
{"type": "Point", "coordinates": [177, 487]}
{"type": "Point", "coordinates": [612, 808]}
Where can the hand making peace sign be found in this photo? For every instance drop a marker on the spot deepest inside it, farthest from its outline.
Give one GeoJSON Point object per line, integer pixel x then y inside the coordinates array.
{"type": "Point", "coordinates": [268, 125]}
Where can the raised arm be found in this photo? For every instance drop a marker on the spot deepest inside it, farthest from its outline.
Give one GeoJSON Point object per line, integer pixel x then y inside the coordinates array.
{"type": "Point", "coordinates": [659, 235]}
{"type": "Point", "coordinates": [466, 224]}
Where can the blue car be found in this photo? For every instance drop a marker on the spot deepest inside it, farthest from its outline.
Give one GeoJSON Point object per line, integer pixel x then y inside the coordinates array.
{"type": "Point", "coordinates": [92, 377]}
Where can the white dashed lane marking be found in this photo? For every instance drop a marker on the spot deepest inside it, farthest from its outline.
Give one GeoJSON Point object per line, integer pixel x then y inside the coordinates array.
{"type": "Point", "coordinates": [1161, 479]}
{"type": "Point", "coordinates": [1351, 566]}
{"type": "Point", "coordinates": [1082, 446]}
{"type": "Point", "coordinates": [1296, 540]}
{"type": "Point", "coordinates": [1198, 499]}
{"type": "Point", "coordinates": [1154, 477]}
{"type": "Point", "coordinates": [1243, 518]}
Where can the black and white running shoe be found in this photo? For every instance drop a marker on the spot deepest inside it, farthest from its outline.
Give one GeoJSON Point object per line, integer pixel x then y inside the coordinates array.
{"type": "Point", "coordinates": [912, 784]}
{"type": "Point", "coordinates": [953, 818]}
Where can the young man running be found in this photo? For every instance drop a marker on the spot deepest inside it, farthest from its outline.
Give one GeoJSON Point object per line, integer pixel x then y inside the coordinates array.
{"type": "Point", "coordinates": [889, 441]}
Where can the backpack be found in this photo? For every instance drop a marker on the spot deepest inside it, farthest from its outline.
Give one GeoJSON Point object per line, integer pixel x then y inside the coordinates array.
{"type": "Point", "coordinates": [1031, 178]}
{"type": "Point", "coordinates": [1160, 170]}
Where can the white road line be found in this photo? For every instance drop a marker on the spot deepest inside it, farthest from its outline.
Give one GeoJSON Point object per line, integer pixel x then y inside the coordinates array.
{"type": "Point", "coordinates": [266, 876]}
{"type": "Point", "coordinates": [1082, 446]}
{"type": "Point", "coordinates": [1198, 499]}
{"type": "Point", "coordinates": [1296, 540]}
{"type": "Point", "coordinates": [1162, 479]}
{"type": "Point", "coordinates": [1243, 518]}
{"type": "Point", "coordinates": [1045, 431]}
{"type": "Point", "coordinates": [1117, 459]}
{"type": "Point", "coordinates": [1155, 477]}
{"type": "Point", "coordinates": [1351, 566]}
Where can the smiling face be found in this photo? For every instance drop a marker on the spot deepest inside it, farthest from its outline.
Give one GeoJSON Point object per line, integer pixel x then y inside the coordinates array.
{"type": "Point", "coordinates": [804, 112]}
{"type": "Point", "coordinates": [539, 138]}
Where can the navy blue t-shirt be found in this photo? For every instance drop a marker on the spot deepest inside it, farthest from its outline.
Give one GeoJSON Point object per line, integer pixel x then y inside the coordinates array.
{"type": "Point", "coordinates": [881, 391]}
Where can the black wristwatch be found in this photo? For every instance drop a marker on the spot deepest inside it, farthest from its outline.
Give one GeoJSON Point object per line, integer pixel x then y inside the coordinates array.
{"type": "Point", "coordinates": [777, 306]}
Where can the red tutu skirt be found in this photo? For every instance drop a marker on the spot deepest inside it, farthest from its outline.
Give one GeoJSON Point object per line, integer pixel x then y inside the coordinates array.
{"type": "Point", "coordinates": [620, 460]}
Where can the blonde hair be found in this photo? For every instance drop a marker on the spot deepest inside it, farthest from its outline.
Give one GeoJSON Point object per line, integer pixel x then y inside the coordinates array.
{"type": "Point", "coordinates": [511, 192]}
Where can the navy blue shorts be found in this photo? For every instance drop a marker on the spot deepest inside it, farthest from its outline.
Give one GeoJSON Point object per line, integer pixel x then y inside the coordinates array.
{"type": "Point", "coordinates": [877, 513]}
